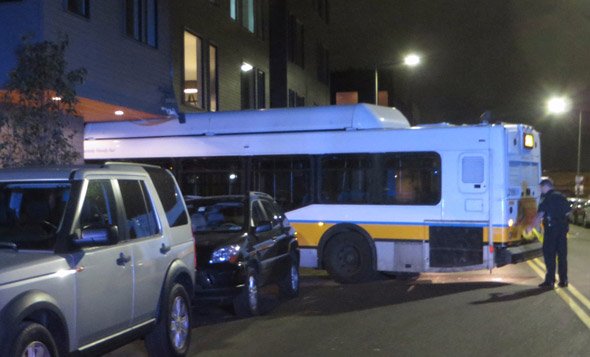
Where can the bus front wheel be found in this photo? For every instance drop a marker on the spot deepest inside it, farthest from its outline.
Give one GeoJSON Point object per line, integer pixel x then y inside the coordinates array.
{"type": "Point", "coordinates": [348, 258]}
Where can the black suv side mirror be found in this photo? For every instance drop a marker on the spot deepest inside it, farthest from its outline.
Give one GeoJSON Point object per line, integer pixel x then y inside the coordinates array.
{"type": "Point", "coordinates": [94, 236]}
{"type": "Point", "coordinates": [263, 226]}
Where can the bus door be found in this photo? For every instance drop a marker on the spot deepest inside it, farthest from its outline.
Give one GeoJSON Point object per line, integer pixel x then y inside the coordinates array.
{"type": "Point", "coordinates": [459, 240]}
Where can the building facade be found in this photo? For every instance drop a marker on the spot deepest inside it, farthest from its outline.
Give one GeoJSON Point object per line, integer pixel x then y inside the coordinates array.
{"type": "Point", "coordinates": [150, 58]}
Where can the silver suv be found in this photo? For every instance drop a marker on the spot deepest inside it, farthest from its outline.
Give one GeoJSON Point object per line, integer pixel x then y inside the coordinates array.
{"type": "Point", "coordinates": [92, 257]}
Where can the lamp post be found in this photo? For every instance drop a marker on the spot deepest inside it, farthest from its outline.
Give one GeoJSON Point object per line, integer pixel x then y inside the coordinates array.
{"type": "Point", "coordinates": [561, 105]}
{"type": "Point", "coordinates": [411, 60]}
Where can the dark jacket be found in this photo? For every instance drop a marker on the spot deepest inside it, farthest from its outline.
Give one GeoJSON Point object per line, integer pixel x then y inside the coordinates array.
{"type": "Point", "coordinates": [555, 207]}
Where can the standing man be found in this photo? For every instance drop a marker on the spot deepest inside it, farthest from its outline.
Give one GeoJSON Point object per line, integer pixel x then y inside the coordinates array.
{"type": "Point", "coordinates": [553, 210]}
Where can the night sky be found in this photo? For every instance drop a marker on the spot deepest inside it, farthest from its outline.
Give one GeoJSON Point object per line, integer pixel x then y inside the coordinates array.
{"type": "Point", "coordinates": [504, 56]}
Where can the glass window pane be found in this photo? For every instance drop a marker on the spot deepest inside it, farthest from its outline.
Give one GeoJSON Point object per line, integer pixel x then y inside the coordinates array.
{"type": "Point", "coordinates": [211, 176]}
{"type": "Point", "coordinates": [193, 78]}
{"type": "Point", "coordinates": [473, 169]}
{"type": "Point", "coordinates": [98, 209]}
{"type": "Point", "coordinates": [411, 178]}
{"type": "Point", "coordinates": [141, 217]}
{"type": "Point", "coordinates": [213, 95]}
{"type": "Point", "coordinates": [80, 7]}
{"type": "Point", "coordinates": [345, 178]}
{"type": "Point", "coordinates": [233, 12]}
{"type": "Point", "coordinates": [169, 195]}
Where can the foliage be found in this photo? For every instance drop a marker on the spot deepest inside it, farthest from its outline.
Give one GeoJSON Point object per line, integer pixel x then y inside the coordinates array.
{"type": "Point", "coordinates": [34, 123]}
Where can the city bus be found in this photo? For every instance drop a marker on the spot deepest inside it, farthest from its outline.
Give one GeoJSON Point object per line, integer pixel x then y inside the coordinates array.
{"type": "Point", "coordinates": [364, 190]}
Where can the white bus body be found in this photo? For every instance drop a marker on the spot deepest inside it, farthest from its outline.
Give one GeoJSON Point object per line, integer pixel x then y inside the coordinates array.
{"type": "Point", "coordinates": [474, 179]}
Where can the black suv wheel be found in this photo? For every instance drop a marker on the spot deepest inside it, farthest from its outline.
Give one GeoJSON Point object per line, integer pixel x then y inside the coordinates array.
{"type": "Point", "coordinates": [289, 284]}
{"type": "Point", "coordinates": [247, 302]}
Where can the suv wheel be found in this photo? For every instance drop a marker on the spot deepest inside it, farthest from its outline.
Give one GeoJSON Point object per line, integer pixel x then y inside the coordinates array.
{"type": "Point", "coordinates": [247, 301]}
{"type": "Point", "coordinates": [289, 284]}
{"type": "Point", "coordinates": [172, 335]}
{"type": "Point", "coordinates": [33, 339]}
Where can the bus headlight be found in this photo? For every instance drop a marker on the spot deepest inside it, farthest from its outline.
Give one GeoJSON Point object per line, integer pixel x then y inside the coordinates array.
{"type": "Point", "coordinates": [510, 222]}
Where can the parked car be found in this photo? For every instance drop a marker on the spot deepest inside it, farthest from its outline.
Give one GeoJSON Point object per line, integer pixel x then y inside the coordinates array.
{"type": "Point", "coordinates": [577, 214]}
{"type": "Point", "coordinates": [584, 216]}
{"type": "Point", "coordinates": [243, 243]}
{"type": "Point", "coordinates": [92, 257]}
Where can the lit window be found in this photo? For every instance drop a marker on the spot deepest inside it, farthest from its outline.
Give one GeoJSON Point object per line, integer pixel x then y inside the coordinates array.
{"type": "Point", "coordinates": [213, 91]}
{"type": "Point", "coordinates": [193, 76]}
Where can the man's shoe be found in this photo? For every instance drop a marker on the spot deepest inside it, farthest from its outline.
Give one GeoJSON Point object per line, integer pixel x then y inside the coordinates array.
{"type": "Point", "coordinates": [546, 285]}
{"type": "Point", "coordinates": [563, 284]}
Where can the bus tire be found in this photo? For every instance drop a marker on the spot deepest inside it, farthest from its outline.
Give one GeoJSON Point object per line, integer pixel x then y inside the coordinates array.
{"type": "Point", "coordinates": [349, 259]}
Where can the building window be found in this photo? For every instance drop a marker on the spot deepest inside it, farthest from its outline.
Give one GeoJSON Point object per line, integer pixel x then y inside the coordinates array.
{"type": "Point", "coordinates": [295, 41]}
{"type": "Point", "coordinates": [253, 82]}
{"type": "Point", "coordinates": [213, 84]}
{"type": "Point", "coordinates": [323, 59]}
{"type": "Point", "coordinates": [245, 12]}
{"type": "Point", "coordinates": [80, 7]}
{"type": "Point", "coordinates": [295, 100]}
{"type": "Point", "coordinates": [141, 20]}
{"type": "Point", "coordinates": [193, 72]}
{"type": "Point", "coordinates": [323, 9]}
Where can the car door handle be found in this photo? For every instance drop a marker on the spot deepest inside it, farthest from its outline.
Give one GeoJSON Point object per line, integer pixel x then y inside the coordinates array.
{"type": "Point", "coordinates": [123, 259]}
{"type": "Point", "coordinates": [165, 248]}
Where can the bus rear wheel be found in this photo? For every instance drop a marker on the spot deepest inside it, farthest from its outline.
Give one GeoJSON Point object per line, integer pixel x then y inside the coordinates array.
{"type": "Point", "coordinates": [348, 258]}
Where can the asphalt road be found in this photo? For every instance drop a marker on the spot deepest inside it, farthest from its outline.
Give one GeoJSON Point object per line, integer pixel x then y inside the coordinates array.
{"type": "Point", "coordinates": [501, 313]}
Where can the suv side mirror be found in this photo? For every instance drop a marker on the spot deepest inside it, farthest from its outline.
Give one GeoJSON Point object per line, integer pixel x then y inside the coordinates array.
{"type": "Point", "coordinates": [94, 236]}
{"type": "Point", "coordinates": [263, 226]}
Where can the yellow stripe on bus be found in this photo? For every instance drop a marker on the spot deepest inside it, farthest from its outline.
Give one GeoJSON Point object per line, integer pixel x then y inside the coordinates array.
{"type": "Point", "coordinates": [310, 233]}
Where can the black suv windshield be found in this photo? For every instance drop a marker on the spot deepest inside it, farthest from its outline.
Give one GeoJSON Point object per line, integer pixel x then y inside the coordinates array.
{"type": "Point", "coordinates": [209, 215]}
{"type": "Point", "coordinates": [30, 213]}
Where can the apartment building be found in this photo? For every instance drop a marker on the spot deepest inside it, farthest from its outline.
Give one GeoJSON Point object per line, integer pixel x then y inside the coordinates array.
{"type": "Point", "coordinates": [147, 57]}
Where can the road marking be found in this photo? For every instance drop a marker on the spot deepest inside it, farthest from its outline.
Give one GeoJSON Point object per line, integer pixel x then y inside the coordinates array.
{"type": "Point", "coordinates": [540, 269]}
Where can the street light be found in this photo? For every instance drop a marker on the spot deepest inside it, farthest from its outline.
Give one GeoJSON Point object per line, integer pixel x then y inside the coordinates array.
{"type": "Point", "coordinates": [561, 105]}
{"type": "Point", "coordinates": [411, 60]}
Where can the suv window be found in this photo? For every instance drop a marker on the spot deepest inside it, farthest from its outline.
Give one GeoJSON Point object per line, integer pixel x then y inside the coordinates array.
{"type": "Point", "coordinates": [31, 212]}
{"type": "Point", "coordinates": [257, 214]}
{"type": "Point", "coordinates": [141, 217]}
{"type": "Point", "coordinates": [169, 195]}
{"type": "Point", "coordinates": [99, 207]}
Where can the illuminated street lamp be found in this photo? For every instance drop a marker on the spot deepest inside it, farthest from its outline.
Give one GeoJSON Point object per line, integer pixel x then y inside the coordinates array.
{"type": "Point", "coordinates": [411, 60]}
{"type": "Point", "coordinates": [561, 105]}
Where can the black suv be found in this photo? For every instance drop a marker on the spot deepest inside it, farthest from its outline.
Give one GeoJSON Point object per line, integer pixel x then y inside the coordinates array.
{"type": "Point", "coordinates": [243, 242]}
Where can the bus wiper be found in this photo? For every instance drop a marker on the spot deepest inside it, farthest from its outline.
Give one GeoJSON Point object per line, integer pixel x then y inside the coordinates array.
{"type": "Point", "coordinates": [9, 245]}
